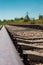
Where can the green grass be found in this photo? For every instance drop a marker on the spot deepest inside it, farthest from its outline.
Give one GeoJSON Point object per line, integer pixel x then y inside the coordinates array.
{"type": "Point", "coordinates": [21, 22]}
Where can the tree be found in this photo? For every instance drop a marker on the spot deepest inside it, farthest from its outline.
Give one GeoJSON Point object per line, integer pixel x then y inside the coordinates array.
{"type": "Point", "coordinates": [4, 20]}
{"type": "Point", "coordinates": [21, 18]}
{"type": "Point", "coordinates": [12, 20]}
{"type": "Point", "coordinates": [0, 21]}
{"type": "Point", "coordinates": [40, 17]}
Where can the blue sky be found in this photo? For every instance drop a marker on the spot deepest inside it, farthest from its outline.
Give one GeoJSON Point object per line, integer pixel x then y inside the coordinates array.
{"type": "Point", "coordinates": [9, 9]}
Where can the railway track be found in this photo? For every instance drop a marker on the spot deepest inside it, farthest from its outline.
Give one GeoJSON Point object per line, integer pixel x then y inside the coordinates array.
{"type": "Point", "coordinates": [30, 51]}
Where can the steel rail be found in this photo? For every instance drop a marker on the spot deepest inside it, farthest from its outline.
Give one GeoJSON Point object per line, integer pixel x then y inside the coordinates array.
{"type": "Point", "coordinates": [8, 53]}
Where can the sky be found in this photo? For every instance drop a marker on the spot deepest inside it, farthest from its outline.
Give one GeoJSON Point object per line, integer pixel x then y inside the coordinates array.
{"type": "Point", "coordinates": [10, 9]}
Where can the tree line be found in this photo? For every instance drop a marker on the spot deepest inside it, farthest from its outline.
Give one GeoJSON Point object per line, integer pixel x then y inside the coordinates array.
{"type": "Point", "coordinates": [26, 19]}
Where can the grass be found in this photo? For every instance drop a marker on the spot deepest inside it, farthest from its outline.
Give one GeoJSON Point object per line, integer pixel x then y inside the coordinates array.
{"type": "Point", "coordinates": [21, 22]}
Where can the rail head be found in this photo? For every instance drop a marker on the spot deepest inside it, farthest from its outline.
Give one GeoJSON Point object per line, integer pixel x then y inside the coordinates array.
{"type": "Point", "coordinates": [8, 52]}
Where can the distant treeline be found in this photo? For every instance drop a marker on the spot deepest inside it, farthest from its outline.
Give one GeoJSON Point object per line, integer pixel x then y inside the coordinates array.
{"type": "Point", "coordinates": [23, 20]}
